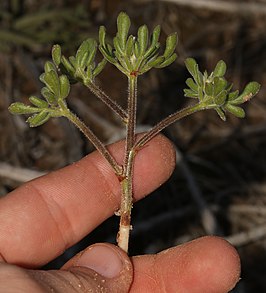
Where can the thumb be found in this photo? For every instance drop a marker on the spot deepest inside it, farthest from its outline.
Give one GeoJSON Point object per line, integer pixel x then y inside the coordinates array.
{"type": "Point", "coordinates": [99, 268]}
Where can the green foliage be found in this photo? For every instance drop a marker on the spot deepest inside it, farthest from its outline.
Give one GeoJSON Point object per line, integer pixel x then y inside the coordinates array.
{"type": "Point", "coordinates": [55, 91]}
{"type": "Point", "coordinates": [213, 90]}
{"type": "Point", "coordinates": [133, 56]}
{"type": "Point", "coordinates": [81, 67]}
{"type": "Point", "coordinates": [136, 55]}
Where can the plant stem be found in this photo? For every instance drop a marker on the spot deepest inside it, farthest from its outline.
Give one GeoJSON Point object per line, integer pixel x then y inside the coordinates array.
{"type": "Point", "coordinates": [132, 149]}
{"type": "Point", "coordinates": [107, 100]}
{"type": "Point", "coordinates": [94, 140]}
{"type": "Point", "coordinates": [126, 204]}
{"type": "Point", "coordinates": [127, 179]}
{"type": "Point", "coordinates": [131, 110]}
{"type": "Point", "coordinates": [170, 120]}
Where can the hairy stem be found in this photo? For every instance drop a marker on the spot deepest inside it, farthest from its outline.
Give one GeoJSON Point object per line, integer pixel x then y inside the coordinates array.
{"type": "Point", "coordinates": [131, 109]}
{"type": "Point", "coordinates": [126, 204]}
{"type": "Point", "coordinates": [170, 120]}
{"type": "Point", "coordinates": [127, 179]}
{"type": "Point", "coordinates": [94, 140]}
{"type": "Point", "coordinates": [108, 101]}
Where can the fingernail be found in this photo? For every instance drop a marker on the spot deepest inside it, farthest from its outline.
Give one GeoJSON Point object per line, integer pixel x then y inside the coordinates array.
{"type": "Point", "coordinates": [103, 259]}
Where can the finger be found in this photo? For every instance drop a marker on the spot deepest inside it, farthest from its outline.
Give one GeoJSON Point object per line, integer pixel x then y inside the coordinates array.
{"type": "Point", "coordinates": [100, 268]}
{"type": "Point", "coordinates": [209, 265]}
{"type": "Point", "coordinates": [44, 217]}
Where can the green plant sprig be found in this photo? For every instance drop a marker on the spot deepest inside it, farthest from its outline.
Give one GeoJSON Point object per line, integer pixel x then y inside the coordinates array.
{"type": "Point", "coordinates": [55, 92]}
{"type": "Point", "coordinates": [136, 55]}
{"type": "Point", "coordinates": [212, 92]}
{"type": "Point", "coordinates": [133, 56]}
{"type": "Point", "coordinates": [83, 68]}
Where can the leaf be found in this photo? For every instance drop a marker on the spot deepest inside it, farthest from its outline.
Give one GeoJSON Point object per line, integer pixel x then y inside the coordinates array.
{"type": "Point", "coordinates": [68, 66]}
{"type": "Point", "coordinates": [123, 25]}
{"type": "Point", "coordinates": [92, 52]}
{"type": "Point", "coordinates": [168, 61]}
{"type": "Point", "coordinates": [143, 35]}
{"type": "Point", "coordinates": [152, 51]}
{"type": "Point", "coordinates": [235, 110]}
{"type": "Point", "coordinates": [38, 102]}
{"type": "Point", "coordinates": [170, 46]}
{"type": "Point", "coordinates": [221, 114]}
{"type": "Point", "coordinates": [136, 49]}
{"type": "Point", "coordinates": [249, 92]}
{"type": "Point", "coordinates": [64, 86]}
{"type": "Point", "coordinates": [51, 80]}
{"type": "Point", "coordinates": [117, 47]}
{"type": "Point", "coordinates": [73, 61]}
{"type": "Point", "coordinates": [220, 84]}
{"type": "Point", "coordinates": [48, 95]}
{"type": "Point", "coordinates": [191, 65]}
{"type": "Point", "coordinates": [221, 98]}
{"type": "Point", "coordinates": [100, 66]}
{"type": "Point", "coordinates": [209, 87]}
{"type": "Point", "coordinates": [155, 35]}
{"type": "Point", "coordinates": [233, 95]}
{"type": "Point", "coordinates": [83, 53]}
{"type": "Point", "coordinates": [190, 94]}
{"type": "Point", "coordinates": [48, 66]}
{"type": "Point", "coordinates": [102, 35]}
{"type": "Point", "coordinates": [190, 82]}
{"type": "Point", "coordinates": [56, 54]}
{"type": "Point", "coordinates": [86, 53]}
{"type": "Point", "coordinates": [21, 108]}
{"type": "Point", "coordinates": [156, 61]}
{"type": "Point", "coordinates": [155, 45]}
{"type": "Point", "coordinates": [107, 55]}
{"type": "Point", "coordinates": [220, 69]}
{"type": "Point", "coordinates": [38, 119]}
{"type": "Point", "coordinates": [193, 69]}
{"type": "Point", "coordinates": [130, 46]}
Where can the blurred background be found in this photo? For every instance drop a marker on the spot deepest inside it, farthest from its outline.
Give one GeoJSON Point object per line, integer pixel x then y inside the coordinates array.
{"type": "Point", "coordinates": [219, 185]}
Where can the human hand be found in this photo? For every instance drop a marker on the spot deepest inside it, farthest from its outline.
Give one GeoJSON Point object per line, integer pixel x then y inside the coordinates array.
{"type": "Point", "coordinates": [44, 217]}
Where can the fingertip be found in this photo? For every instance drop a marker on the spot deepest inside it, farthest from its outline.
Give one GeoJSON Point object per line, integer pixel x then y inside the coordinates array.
{"type": "Point", "coordinates": [213, 263]}
{"type": "Point", "coordinates": [107, 264]}
{"type": "Point", "coordinates": [207, 264]}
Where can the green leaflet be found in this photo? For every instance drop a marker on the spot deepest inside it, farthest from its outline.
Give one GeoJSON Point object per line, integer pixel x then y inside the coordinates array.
{"type": "Point", "coordinates": [170, 46]}
{"type": "Point", "coordinates": [249, 92]}
{"type": "Point", "coordinates": [64, 86]}
{"type": "Point", "coordinates": [38, 119]}
{"type": "Point", "coordinates": [235, 110]}
{"type": "Point", "coordinates": [38, 102]}
{"type": "Point", "coordinates": [143, 38]}
{"type": "Point", "coordinates": [49, 96]}
{"type": "Point", "coordinates": [21, 108]}
{"type": "Point", "coordinates": [220, 69]}
{"type": "Point", "coordinates": [123, 25]}
{"type": "Point", "coordinates": [56, 55]}
{"type": "Point", "coordinates": [51, 80]}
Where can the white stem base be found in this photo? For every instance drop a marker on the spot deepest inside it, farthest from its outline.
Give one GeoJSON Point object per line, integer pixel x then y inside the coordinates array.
{"type": "Point", "coordinates": [123, 237]}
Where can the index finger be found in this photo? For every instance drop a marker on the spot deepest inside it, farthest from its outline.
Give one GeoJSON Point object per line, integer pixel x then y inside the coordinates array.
{"type": "Point", "coordinates": [45, 216]}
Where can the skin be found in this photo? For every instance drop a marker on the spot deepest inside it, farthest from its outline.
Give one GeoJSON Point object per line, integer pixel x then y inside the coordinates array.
{"type": "Point", "coordinates": [42, 218]}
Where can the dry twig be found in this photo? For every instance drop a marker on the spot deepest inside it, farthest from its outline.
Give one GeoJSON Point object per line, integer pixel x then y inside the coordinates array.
{"type": "Point", "coordinates": [223, 6]}
{"type": "Point", "coordinates": [209, 222]}
{"type": "Point", "coordinates": [244, 238]}
{"type": "Point", "coordinates": [18, 174]}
